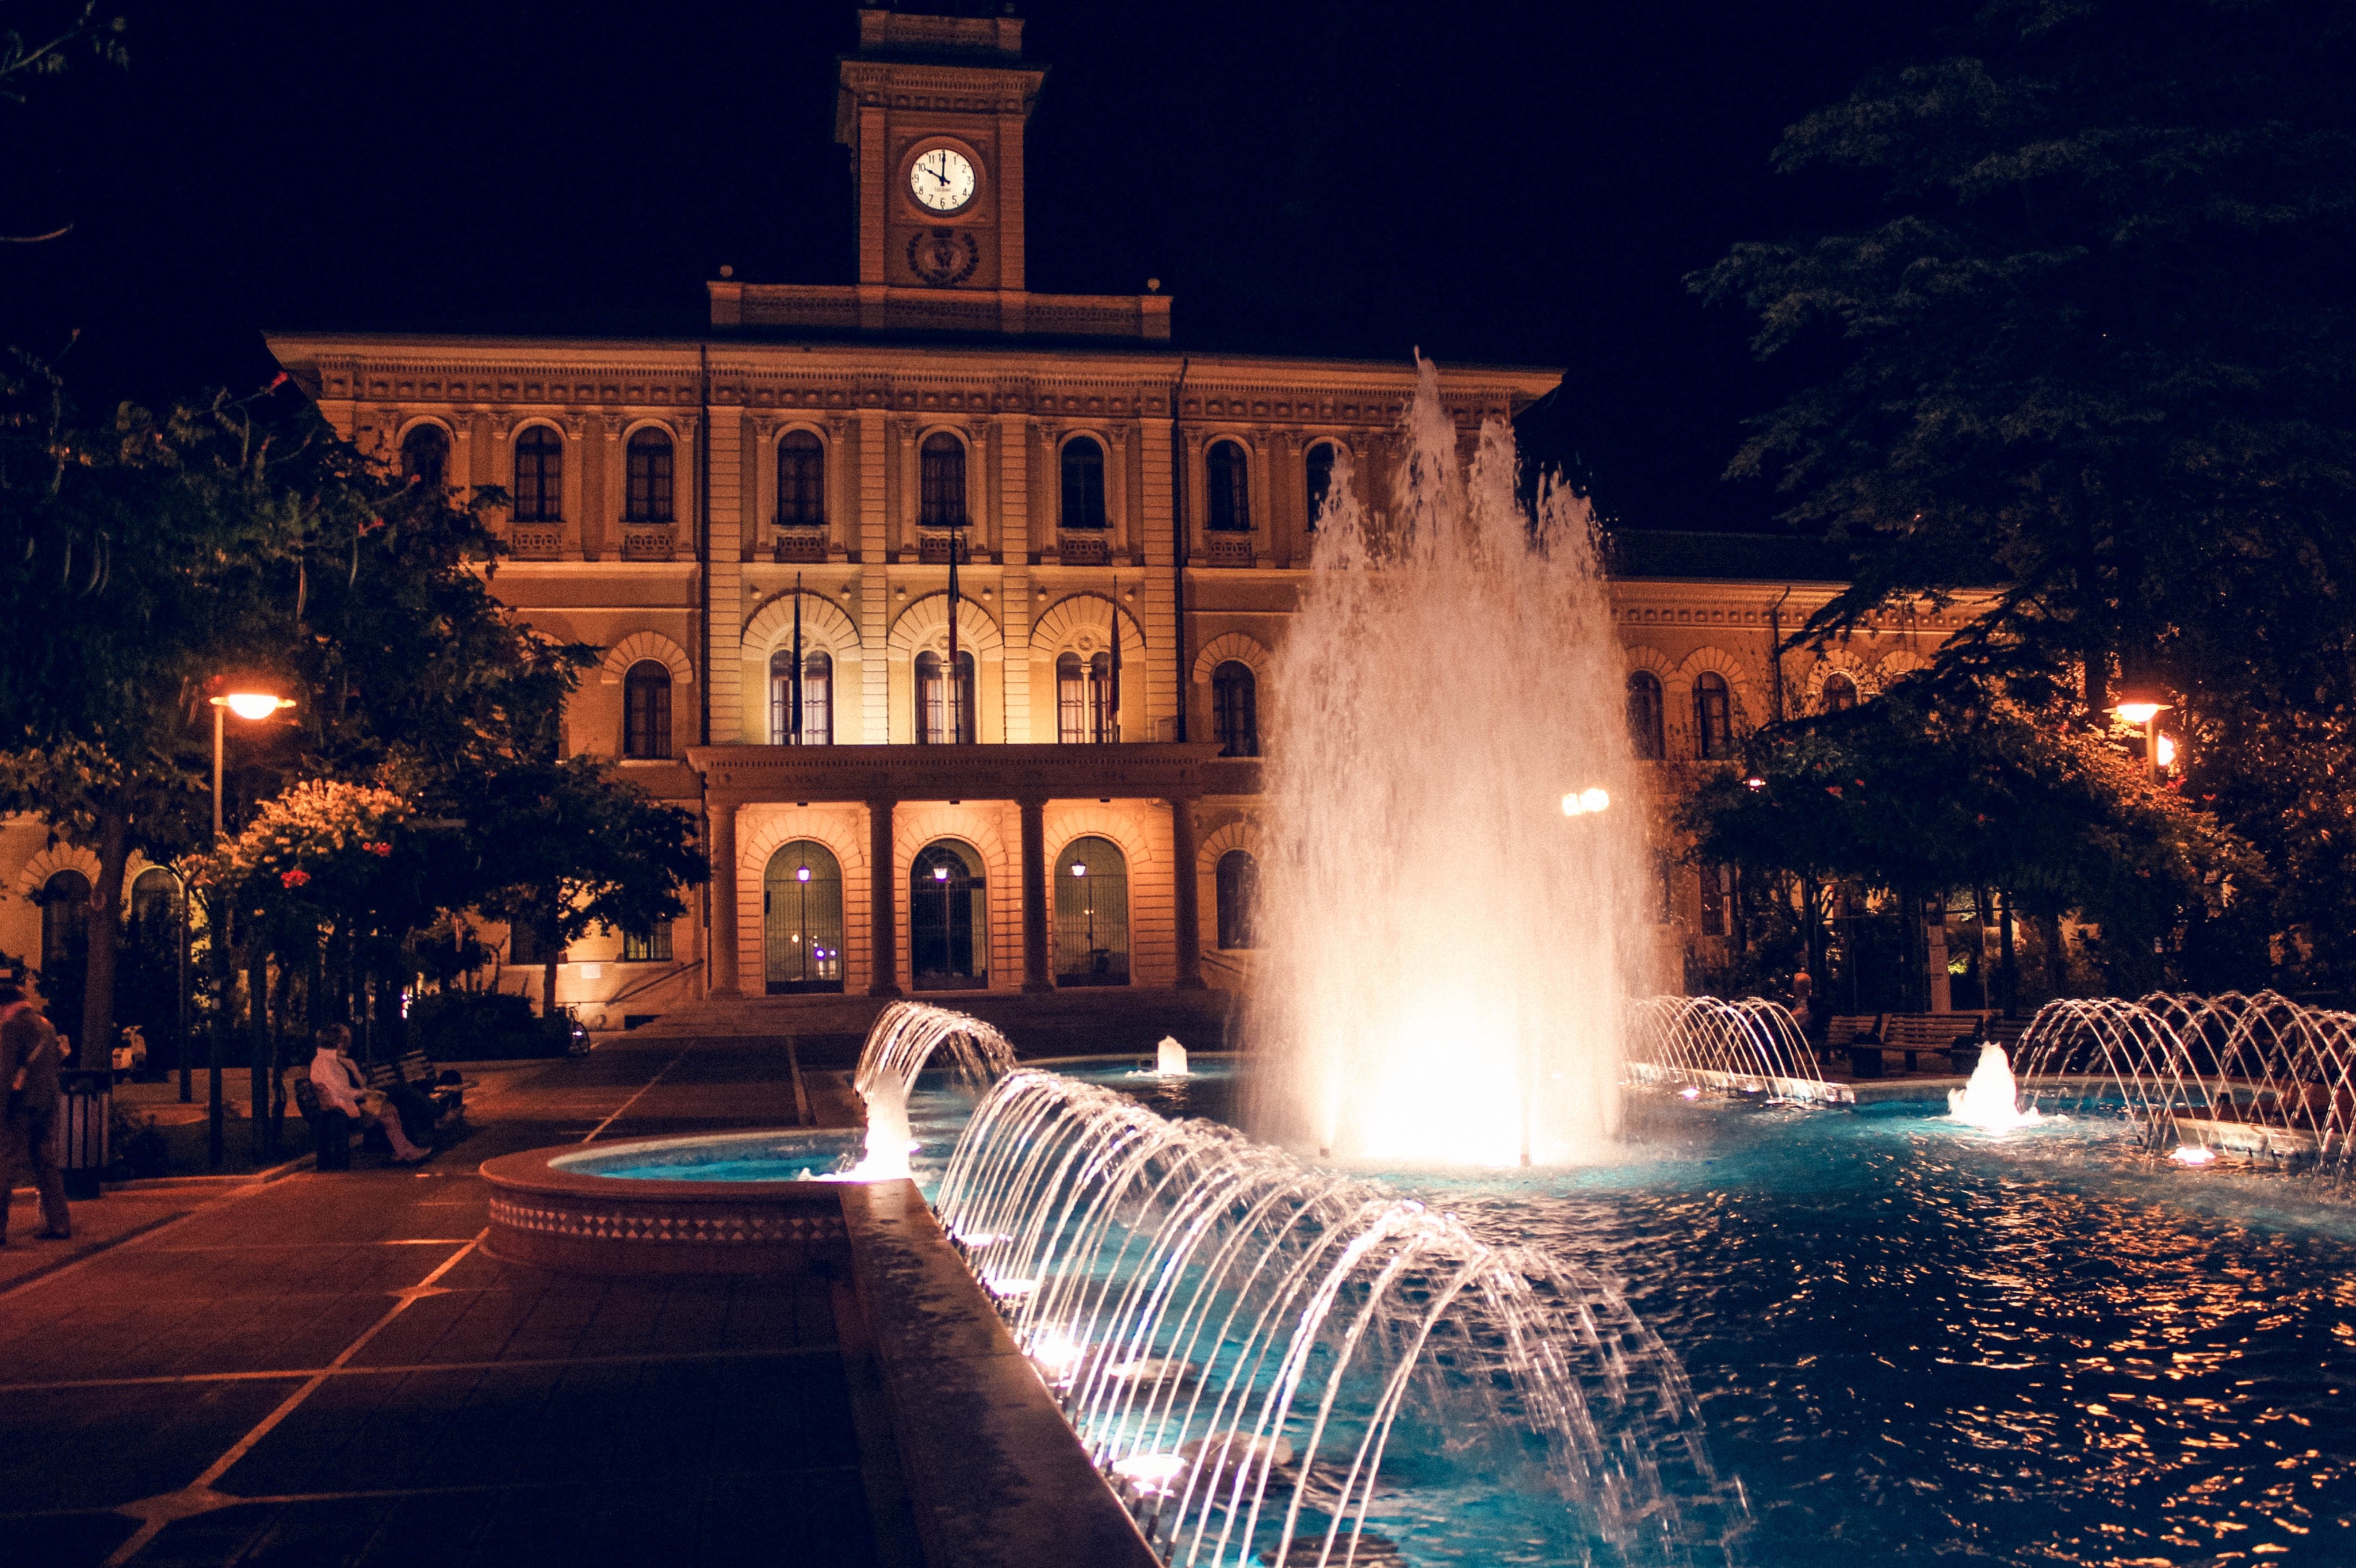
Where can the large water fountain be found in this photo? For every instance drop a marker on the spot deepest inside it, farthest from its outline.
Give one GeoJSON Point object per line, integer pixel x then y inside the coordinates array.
{"type": "Point", "coordinates": [1446, 952]}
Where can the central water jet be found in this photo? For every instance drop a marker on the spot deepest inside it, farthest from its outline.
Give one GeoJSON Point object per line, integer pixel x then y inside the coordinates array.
{"type": "Point", "coordinates": [1449, 946]}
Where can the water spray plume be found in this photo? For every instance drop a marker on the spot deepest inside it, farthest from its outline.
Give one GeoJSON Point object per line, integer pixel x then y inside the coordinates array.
{"type": "Point", "coordinates": [1448, 967]}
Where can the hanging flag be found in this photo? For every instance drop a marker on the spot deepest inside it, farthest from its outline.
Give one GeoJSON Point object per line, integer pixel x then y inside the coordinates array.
{"type": "Point", "coordinates": [953, 682]}
{"type": "Point", "coordinates": [794, 681]}
{"type": "Point", "coordinates": [1112, 695]}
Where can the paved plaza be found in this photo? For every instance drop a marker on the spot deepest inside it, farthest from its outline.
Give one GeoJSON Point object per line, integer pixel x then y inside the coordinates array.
{"type": "Point", "coordinates": [327, 1369]}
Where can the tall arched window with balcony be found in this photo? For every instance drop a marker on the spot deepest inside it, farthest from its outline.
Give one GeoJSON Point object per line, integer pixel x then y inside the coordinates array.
{"type": "Point", "coordinates": [646, 711]}
{"type": "Point", "coordinates": [944, 707]}
{"type": "Point", "coordinates": [801, 481]}
{"type": "Point", "coordinates": [1235, 709]}
{"type": "Point", "coordinates": [1083, 483]}
{"type": "Point", "coordinates": [817, 699]}
{"type": "Point", "coordinates": [539, 475]}
{"type": "Point", "coordinates": [1318, 464]}
{"type": "Point", "coordinates": [941, 481]}
{"type": "Point", "coordinates": [1644, 717]}
{"type": "Point", "coordinates": [1713, 717]}
{"type": "Point", "coordinates": [1839, 695]}
{"type": "Point", "coordinates": [648, 496]}
{"type": "Point", "coordinates": [1084, 700]}
{"type": "Point", "coordinates": [1226, 488]}
{"type": "Point", "coordinates": [425, 456]}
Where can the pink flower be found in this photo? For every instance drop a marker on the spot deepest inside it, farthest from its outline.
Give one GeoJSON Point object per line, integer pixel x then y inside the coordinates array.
{"type": "Point", "coordinates": [295, 878]}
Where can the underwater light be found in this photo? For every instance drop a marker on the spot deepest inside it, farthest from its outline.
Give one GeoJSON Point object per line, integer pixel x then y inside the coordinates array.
{"type": "Point", "coordinates": [2192, 1155]}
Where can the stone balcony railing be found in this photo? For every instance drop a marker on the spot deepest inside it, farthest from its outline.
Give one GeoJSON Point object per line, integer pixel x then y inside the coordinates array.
{"type": "Point", "coordinates": [1229, 550]}
{"type": "Point", "coordinates": [933, 549]}
{"type": "Point", "coordinates": [648, 542]}
{"type": "Point", "coordinates": [800, 544]}
{"type": "Point", "coordinates": [536, 541]}
{"type": "Point", "coordinates": [1083, 549]}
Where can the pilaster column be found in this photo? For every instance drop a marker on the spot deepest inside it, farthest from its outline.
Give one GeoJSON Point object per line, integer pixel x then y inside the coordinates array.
{"type": "Point", "coordinates": [1188, 899]}
{"type": "Point", "coordinates": [1034, 895]}
{"type": "Point", "coordinates": [721, 827]}
{"type": "Point", "coordinates": [883, 889]}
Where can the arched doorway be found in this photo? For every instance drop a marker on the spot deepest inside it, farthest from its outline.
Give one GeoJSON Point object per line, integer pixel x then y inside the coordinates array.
{"type": "Point", "coordinates": [949, 919]}
{"type": "Point", "coordinates": [150, 974]}
{"type": "Point", "coordinates": [801, 918]}
{"type": "Point", "coordinates": [1091, 914]}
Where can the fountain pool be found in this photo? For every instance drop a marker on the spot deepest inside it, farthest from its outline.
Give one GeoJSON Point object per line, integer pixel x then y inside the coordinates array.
{"type": "Point", "coordinates": [1900, 1335]}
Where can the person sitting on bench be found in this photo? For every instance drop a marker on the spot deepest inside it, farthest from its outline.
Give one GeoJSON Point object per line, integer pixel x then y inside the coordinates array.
{"type": "Point", "coordinates": [343, 1092]}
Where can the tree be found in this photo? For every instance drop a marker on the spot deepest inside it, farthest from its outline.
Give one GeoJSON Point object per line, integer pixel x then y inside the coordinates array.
{"type": "Point", "coordinates": [1920, 792]}
{"type": "Point", "coordinates": [2098, 338]}
{"type": "Point", "coordinates": [24, 60]}
{"type": "Point", "coordinates": [567, 848]}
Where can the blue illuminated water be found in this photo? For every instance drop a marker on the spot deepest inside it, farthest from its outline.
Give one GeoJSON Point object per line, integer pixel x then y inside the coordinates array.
{"type": "Point", "coordinates": [1910, 1340]}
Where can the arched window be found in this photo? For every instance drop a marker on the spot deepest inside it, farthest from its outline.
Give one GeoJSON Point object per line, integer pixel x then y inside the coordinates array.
{"type": "Point", "coordinates": [1713, 717]}
{"type": "Point", "coordinates": [1083, 483]}
{"type": "Point", "coordinates": [943, 708]}
{"type": "Point", "coordinates": [1227, 491]}
{"type": "Point", "coordinates": [1084, 713]}
{"type": "Point", "coordinates": [801, 918]}
{"type": "Point", "coordinates": [802, 481]}
{"type": "Point", "coordinates": [539, 475]}
{"type": "Point", "coordinates": [942, 500]}
{"type": "Point", "coordinates": [1644, 717]}
{"type": "Point", "coordinates": [645, 710]}
{"type": "Point", "coordinates": [949, 918]}
{"type": "Point", "coordinates": [425, 456]}
{"type": "Point", "coordinates": [1318, 462]}
{"type": "Point", "coordinates": [649, 496]}
{"type": "Point", "coordinates": [817, 699]}
{"type": "Point", "coordinates": [1091, 914]}
{"type": "Point", "coordinates": [1840, 694]}
{"type": "Point", "coordinates": [1235, 709]}
{"type": "Point", "coordinates": [65, 941]}
{"type": "Point", "coordinates": [155, 912]}
{"type": "Point", "coordinates": [1239, 900]}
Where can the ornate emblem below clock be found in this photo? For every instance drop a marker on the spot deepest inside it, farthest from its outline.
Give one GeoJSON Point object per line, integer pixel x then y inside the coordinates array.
{"type": "Point", "coordinates": [943, 257]}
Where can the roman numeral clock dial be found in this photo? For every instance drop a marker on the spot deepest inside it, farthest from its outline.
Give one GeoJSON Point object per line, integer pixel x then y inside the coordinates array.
{"type": "Point", "coordinates": [941, 179]}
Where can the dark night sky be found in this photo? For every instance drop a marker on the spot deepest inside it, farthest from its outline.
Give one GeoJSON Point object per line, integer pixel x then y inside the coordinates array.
{"type": "Point", "coordinates": [1522, 182]}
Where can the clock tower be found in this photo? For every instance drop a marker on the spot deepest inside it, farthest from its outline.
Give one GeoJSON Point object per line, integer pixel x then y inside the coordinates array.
{"type": "Point", "coordinates": [933, 109]}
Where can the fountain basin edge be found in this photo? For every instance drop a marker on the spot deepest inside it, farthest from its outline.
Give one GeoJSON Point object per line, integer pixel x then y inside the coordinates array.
{"type": "Point", "coordinates": [546, 1212]}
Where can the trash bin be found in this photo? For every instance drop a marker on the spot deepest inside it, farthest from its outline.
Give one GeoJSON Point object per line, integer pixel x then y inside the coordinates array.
{"type": "Point", "coordinates": [86, 1100]}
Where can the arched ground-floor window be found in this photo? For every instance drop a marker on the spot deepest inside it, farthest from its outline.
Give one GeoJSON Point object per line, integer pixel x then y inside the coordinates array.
{"type": "Point", "coordinates": [1239, 900]}
{"type": "Point", "coordinates": [1091, 914]}
{"type": "Point", "coordinates": [949, 918]}
{"type": "Point", "coordinates": [65, 945]}
{"type": "Point", "coordinates": [801, 918]}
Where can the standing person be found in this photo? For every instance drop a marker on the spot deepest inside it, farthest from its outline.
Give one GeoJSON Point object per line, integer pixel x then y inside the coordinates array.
{"type": "Point", "coordinates": [28, 1071]}
{"type": "Point", "coordinates": [343, 1092]}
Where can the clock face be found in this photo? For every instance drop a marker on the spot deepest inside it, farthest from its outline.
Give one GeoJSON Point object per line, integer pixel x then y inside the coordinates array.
{"type": "Point", "coordinates": [941, 179]}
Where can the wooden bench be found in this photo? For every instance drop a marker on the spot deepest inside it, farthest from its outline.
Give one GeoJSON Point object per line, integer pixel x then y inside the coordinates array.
{"type": "Point", "coordinates": [416, 1070]}
{"type": "Point", "coordinates": [1911, 1035]}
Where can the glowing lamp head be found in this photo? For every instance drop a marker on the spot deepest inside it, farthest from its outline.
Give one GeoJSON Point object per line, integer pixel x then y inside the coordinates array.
{"type": "Point", "coordinates": [1754, 782]}
{"type": "Point", "coordinates": [2138, 713]}
{"type": "Point", "coordinates": [253, 705]}
{"type": "Point", "coordinates": [1078, 869]}
{"type": "Point", "coordinates": [940, 874]}
{"type": "Point", "coordinates": [801, 874]}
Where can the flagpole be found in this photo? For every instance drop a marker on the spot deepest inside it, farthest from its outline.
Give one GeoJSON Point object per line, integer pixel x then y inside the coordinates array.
{"type": "Point", "coordinates": [953, 692]}
{"type": "Point", "coordinates": [794, 691]}
{"type": "Point", "coordinates": [1112, 697]}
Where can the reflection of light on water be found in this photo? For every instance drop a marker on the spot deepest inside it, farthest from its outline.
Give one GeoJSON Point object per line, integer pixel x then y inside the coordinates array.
{"type": "Point", "coordinates": [976, 1241]}
{"type": "Point", "coordinates": [2192, 1155]}
{"type": "Point", "coordinates": [1008, 1287]}
{"type": "Point", "coordinates": [1987, 1102]}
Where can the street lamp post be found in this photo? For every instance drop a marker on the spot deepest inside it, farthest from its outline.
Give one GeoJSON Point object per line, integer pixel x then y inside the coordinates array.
{"type": "Point", "coordinates": [251, 705]}
{"type": "Point", "coordinates": [2143, 709]}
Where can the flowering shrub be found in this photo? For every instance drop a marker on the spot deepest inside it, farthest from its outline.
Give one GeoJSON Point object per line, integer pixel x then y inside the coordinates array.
{"type": "Point", "coordinates": [320, 842]}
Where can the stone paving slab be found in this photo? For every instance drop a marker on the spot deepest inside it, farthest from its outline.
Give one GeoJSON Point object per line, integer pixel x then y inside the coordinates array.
{"type": "Point", "coordinates": [327, 1370]}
